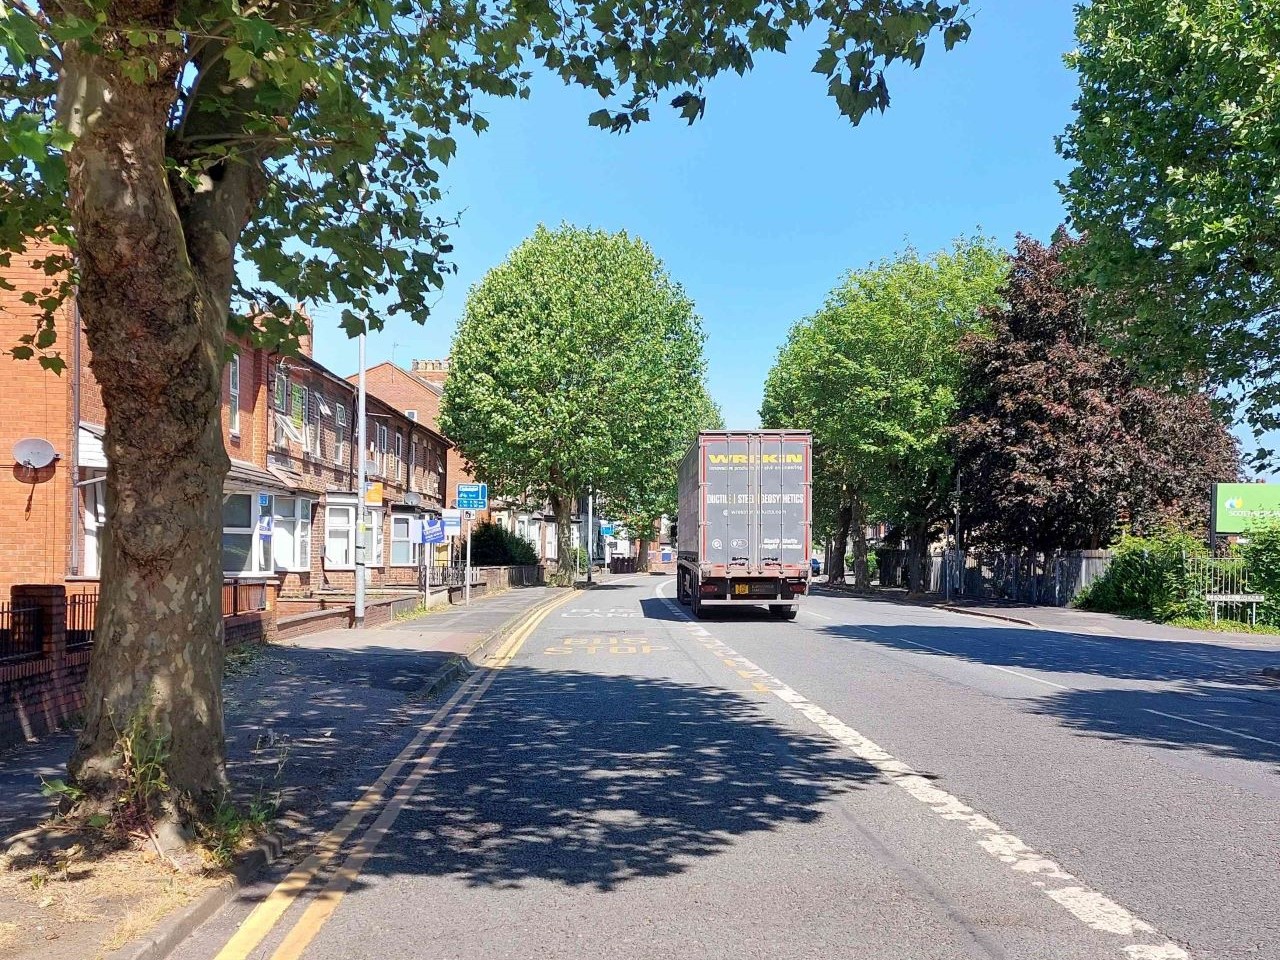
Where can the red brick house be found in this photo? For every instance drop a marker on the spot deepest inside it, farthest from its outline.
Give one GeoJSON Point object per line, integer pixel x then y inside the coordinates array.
{"type": "Point", "coordinates": [289, 426]}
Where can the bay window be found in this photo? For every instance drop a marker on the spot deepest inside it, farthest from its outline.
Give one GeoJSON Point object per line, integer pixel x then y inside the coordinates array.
{"type": "Point", "coordinates": [374, 538]}
{"type": "Point", "coordinates": [240, 553]}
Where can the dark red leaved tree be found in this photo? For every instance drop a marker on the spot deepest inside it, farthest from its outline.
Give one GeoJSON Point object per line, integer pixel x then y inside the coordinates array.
{"type": "Point", "coordinates": [1057, 442]}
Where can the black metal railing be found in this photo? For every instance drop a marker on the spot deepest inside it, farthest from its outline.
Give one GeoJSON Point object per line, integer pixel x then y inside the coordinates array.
{"type": "Point", "coordinates": [82, 617]}
{"type": "Point", "coordinates": [21, 633]}
{"type": "Point", "coordinates": [446, 575]}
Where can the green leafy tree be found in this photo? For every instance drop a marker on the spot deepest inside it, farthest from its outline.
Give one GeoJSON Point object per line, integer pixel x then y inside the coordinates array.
{"type": "Point", "coordinates": [874, 375]}
{"type": "Point", "coordinates": [577, 366]}
{"type": "Point", "coordinates": [1176, 151]}
{"type": "Point", "coordinates": [654, 496]}
{"type": "Point", "coordinates": [158, 145]}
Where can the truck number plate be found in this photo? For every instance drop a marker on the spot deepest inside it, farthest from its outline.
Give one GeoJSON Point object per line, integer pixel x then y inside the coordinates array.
{"type": "Point", "coordinates": [741, 589]}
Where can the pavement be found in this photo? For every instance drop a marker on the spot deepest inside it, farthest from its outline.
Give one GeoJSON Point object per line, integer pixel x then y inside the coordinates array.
{"type": "Point", "coordinates": [305, 717]}
{"type": "Point", "coordinates": [306, 722]}
{"type": "Point", "coordinates": [873, 780]}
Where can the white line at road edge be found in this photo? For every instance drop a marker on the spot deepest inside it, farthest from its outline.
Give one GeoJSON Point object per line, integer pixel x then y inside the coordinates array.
{"type": "Point", "coordinates": [1087, 905]}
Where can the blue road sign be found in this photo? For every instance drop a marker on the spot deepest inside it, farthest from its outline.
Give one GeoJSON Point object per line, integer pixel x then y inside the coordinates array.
{"type": "Point", "coordinates": [606, 529]}
{"type": "Point", "coordinates": [433, 531]}
{"type": "Point", "coordinates": [473, 496]}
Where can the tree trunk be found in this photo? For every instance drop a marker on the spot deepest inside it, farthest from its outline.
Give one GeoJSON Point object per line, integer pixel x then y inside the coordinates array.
{"type": "Point", "coordinates": [858, 529]}
{"type": "Point", "coordinates": [566, 566]}
{"type": "Point", "coordinates": [917, 550]}
{"type": "Point", "coordinates": [155, 273]}
{"type": "Point", "coordinates": [642, 554]}
{"type": "Point", "coordinates": [835, 562]}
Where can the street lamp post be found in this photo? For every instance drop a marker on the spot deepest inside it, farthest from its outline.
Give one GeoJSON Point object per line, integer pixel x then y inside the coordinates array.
{"type": "Point", "coordinates": [361, 479]}
{"type": "Point", "coordinates": [591, 534]}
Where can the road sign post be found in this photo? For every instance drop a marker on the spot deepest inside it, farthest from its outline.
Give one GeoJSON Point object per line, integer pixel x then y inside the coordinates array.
{"type": "Point", "coordinates": [470, 517]}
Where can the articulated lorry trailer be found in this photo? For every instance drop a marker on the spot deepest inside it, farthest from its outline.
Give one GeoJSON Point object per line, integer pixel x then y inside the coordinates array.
{"type": "Point", "coordinates": [745, 520]}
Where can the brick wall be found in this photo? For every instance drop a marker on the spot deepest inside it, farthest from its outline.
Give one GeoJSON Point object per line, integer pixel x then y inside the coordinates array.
{"type": "Point", "coordinates": [35, 505]}
{"type": "Point", "coordinates": [40, 695]}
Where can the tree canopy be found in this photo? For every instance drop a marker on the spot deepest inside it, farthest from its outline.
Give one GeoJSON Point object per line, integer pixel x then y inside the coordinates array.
{"type": "Point", "coordinates": [1057, 442]}
{"type": "Point", "coordinates": [874, 375]}
{"type": "Point", "coordinates": [577, 365]}
{"type": "Point", "coordinates": [1176, 152]}
{"type": "Point", "coordinates": [320, 130]}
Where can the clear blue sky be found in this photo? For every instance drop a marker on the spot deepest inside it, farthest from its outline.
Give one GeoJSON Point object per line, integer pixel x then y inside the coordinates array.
{"type": "Point", "coordinates": [760, 207]}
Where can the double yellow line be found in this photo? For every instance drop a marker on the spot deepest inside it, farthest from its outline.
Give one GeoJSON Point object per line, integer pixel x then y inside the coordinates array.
{"type": "Point", "coordinates": [267, 914]}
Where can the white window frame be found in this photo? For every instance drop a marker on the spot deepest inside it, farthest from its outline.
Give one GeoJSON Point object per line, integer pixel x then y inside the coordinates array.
{"type": "Point", "coordinates": [280, 391]}
{"type": "Point", "coordinates": [412, 415]}
{"type": "Point", "coordinates": [413, 460]}
{"type": "Point", "coordinates": [399, 475]}
{"type": "Point", "coordinates": [340, 432]}
{"type": "Point", "coordinates": [233, 394]}
{"type": "Point", "coordinates": [285, 431]}
{"type": "Point", "coordinates": [376, 542]}
{"type": "Point", "coordinates": [382, 449]}
{"type": "Point", "coordinates": [333, 507]}
{"type": "Point", "coordinates": [414, 546]}
{"type": "Point", "coordinates": [311, 423]}
{"type": "Point", "coordinates": [94, 520]}
{"type": "Point", "coordinates": [299, 522]}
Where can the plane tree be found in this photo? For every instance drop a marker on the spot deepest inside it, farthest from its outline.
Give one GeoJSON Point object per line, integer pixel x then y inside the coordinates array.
{"type": "Point", "coordinates": [874, 374]}
{"type": "Point", "coordinates": [577, 367]}
{"type": "Point", "coordinates": [182, 158]}
{"type": "Point", "coordinates": [1175, 151]}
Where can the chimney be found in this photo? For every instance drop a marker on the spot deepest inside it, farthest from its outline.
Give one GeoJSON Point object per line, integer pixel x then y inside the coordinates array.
{"type": "Point", "coordinates": [433, 371]}
{"type": "Point", "coordinates": [304, 340]}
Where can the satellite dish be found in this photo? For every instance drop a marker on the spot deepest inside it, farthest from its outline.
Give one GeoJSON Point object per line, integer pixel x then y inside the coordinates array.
{"type": "Point", "coordinates": [412, 499]}
{"type": "Point", "coordinates": [33, 453]}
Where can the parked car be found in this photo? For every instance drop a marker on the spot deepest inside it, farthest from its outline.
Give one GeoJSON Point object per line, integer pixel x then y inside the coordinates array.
{"type": "Point", "coordinates": [815, 566]}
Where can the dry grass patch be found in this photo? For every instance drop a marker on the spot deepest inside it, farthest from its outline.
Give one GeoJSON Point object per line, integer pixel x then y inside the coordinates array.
{"type": "Point", "coordinates": [90, 898]}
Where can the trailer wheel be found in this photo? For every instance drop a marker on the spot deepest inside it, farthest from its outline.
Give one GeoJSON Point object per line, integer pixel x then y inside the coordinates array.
{"type": "Point", "coordinates": [695, 599]}
{"type": "Point", "coordinates": [784, 611]}
{"type": "Point", "coordinates": [682, 587]}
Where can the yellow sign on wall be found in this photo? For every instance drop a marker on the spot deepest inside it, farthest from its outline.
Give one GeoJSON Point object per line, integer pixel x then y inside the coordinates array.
{"type": "Point", "coordinates": [373, 494]}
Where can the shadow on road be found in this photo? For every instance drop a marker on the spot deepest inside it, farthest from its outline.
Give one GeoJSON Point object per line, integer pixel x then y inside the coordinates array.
{"type": "Point", "coordinates": [593, 780]}
{"type": "Point", "coordinates": [1212, 721]}
{"type": "Point", "coordinates": [655, 609]}
{"type": "Point", "coordinates": [1210, 697]}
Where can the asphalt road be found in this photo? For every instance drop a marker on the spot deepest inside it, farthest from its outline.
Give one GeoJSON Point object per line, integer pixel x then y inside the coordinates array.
{"type": "Point", "coordinates": [870, 781]}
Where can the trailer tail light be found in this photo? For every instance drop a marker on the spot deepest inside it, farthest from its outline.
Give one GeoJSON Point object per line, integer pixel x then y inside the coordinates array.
{"type": "Point", "coordinates": [799, 586]}
{"type": "Point", "coordinates": [710, 588]}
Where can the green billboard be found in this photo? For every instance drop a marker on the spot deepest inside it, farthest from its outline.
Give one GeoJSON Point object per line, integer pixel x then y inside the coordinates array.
{"type": "Point", "coordinates": [1241, 507]}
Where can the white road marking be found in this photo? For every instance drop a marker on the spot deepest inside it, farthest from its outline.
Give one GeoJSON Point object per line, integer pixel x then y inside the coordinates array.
{"type": "Point", "coordinates": [1210, 726]}
{"type": "Point", "coordinates": [1087, 905]}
